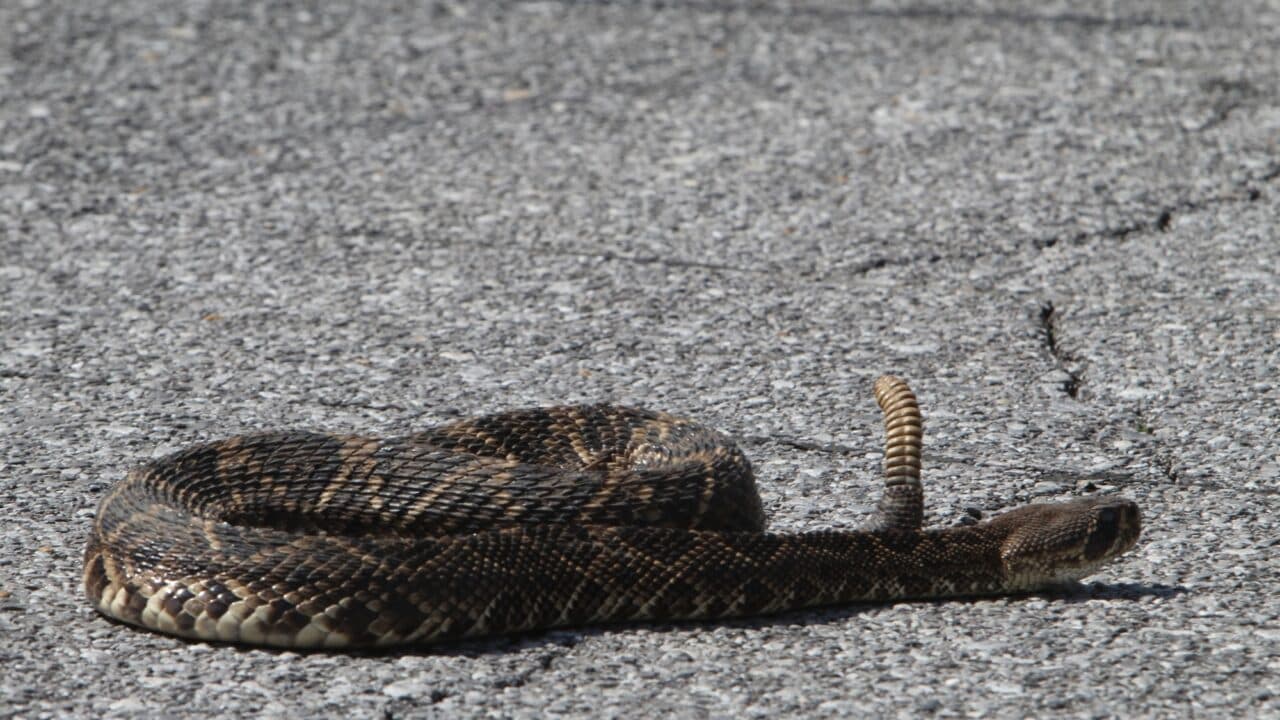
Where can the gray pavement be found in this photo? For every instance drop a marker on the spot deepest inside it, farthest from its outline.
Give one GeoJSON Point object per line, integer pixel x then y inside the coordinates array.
{"type": "Point", "coordinates": [1057, 220]}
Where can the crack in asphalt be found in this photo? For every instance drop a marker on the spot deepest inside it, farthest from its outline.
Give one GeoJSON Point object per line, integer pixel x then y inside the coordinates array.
{"type": "Point", "coordinates": [1162, 219]}
{"type": "Point", "coordinates": [829, 14]}
{"type": "Point", "coordinates": [1063, 358]}
{"type": "Point", "coordinates": [1229, 96]}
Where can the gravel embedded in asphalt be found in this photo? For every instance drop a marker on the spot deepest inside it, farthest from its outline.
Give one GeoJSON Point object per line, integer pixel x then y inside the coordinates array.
{"type": "Point", "coordinates": [1057, 221]}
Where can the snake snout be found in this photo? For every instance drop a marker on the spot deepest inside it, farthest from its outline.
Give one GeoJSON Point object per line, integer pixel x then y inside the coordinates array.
{"type": "Point", "coordinates": [1115, 528]}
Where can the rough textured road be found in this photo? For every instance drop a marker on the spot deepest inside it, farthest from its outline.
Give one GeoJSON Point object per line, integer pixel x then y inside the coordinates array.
{"type": "Point", "coordinates": [1058, 220]}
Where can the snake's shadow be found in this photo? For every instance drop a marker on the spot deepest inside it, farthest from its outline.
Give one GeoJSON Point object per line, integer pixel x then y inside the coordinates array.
{"type": "Point", "coordinates": [1081, 592]}
{"type": "Point", "coordinates": [567, 638]}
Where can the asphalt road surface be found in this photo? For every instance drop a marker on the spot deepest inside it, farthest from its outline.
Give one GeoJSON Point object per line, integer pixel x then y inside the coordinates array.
{"type": "Point", "coordinates": [1057, 220]}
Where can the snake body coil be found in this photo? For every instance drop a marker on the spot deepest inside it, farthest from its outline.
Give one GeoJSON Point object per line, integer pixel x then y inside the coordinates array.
{"type": "Point", "coordinates": [533, 519]}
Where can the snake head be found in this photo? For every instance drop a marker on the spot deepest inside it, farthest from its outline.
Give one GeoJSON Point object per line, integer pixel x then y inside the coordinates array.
{"type": "Point", "coordinates": [1052, 544]}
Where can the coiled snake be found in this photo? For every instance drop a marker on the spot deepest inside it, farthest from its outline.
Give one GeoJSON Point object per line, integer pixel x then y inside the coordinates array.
{"type": "Point", "coordinates": [533, 519]}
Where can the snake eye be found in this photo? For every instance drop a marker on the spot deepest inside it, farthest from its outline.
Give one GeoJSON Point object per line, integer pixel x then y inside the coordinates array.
{"type": "Point", "coordinates": [1104, 534]}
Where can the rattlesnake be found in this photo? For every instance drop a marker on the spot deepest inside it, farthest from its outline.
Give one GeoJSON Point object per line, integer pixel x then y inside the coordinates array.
{"type": "Point", "coordinates": [533, 519]}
